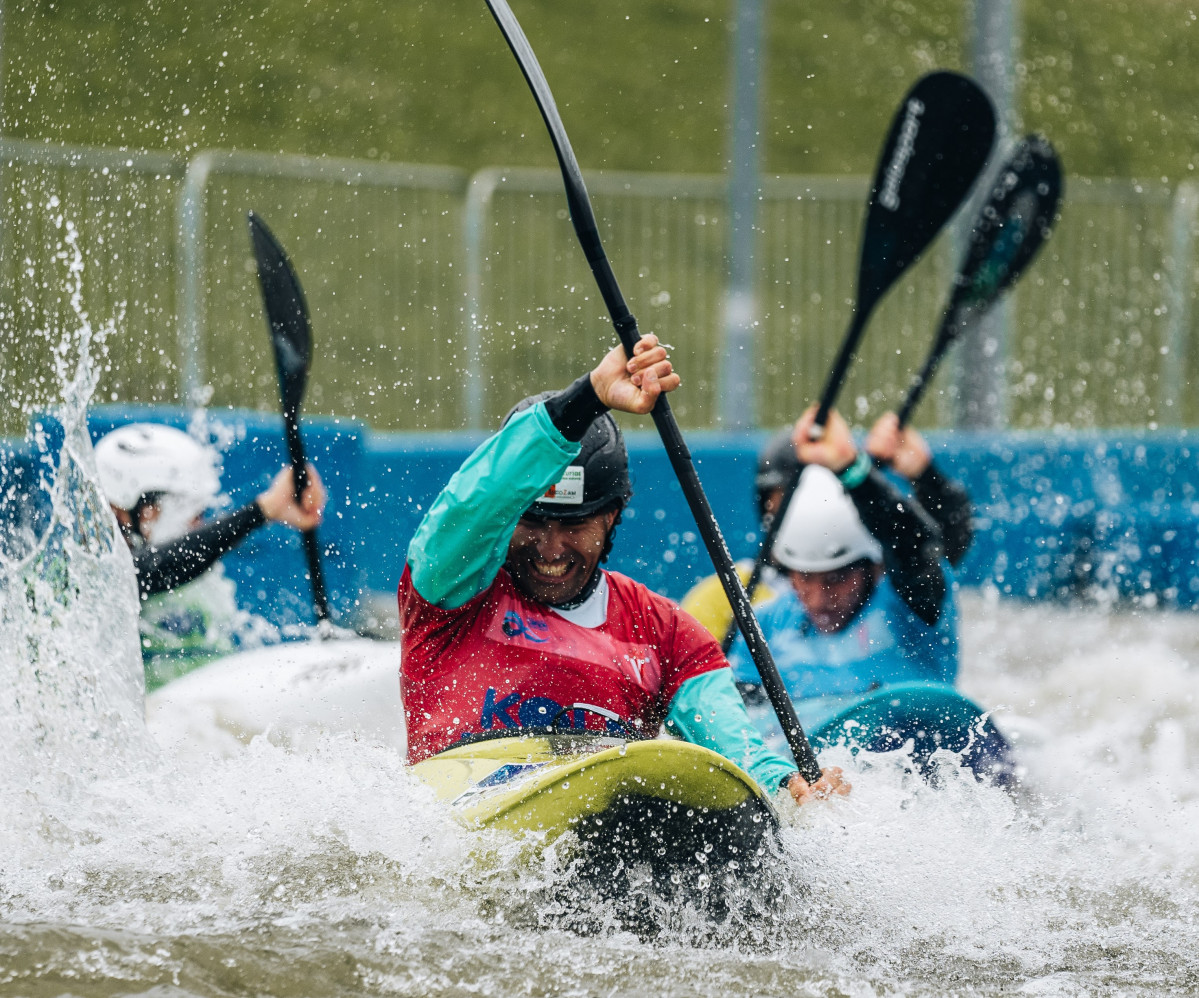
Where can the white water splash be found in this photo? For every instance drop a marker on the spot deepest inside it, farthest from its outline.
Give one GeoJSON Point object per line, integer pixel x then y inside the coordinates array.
{"type": "Point", "coordinates": [69, 658]}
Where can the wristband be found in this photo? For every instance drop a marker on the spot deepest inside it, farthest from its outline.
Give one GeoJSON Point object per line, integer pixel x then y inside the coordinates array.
{"type": "Point", "coordinates": [574, 408]}
{"type": "Point", "coordinates": [856, 473]}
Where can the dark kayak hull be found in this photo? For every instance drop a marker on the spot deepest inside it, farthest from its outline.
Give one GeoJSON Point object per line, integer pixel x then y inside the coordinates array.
{"type": "Point", "coordinates": [929, 716]}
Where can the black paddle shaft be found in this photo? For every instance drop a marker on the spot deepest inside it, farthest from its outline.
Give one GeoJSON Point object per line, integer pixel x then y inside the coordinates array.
{"type": "Point", "coordinates": [291, 340]}
{"type": "Point", "coordinates": [1009, 230]}
{"type": "Point", "coordinates": [937, 145]}
{"type": "Point", "coordinates": [583, 219]}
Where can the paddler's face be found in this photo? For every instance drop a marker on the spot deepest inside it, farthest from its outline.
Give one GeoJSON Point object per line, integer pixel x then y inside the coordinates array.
{"type": "Point", "coordinates": [832, 599]}
{"type": "Point", "coordinates": [551, 560]}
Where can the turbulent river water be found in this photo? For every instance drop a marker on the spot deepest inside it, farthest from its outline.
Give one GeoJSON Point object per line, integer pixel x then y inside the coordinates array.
{"type": "Point", "coordinates": [327, 870]}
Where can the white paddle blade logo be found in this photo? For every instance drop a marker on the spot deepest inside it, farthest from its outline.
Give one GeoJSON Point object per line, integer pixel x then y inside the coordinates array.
{"type": "Point", "coordinates": [889, 196]}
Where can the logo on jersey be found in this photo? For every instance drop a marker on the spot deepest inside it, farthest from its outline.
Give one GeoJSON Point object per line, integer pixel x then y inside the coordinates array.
{"type": "Point", "coordinates": [515, 626]}
{"type": "Point", "coordinates": [637, 664]}
{"type": "Point", "coordinates": [533, 712]}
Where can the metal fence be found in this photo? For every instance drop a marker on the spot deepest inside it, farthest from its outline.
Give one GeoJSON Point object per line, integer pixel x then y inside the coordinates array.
{"type": "Point", "coordinates": [121, 206]}
{"type": "Point", "coordinates": [438, 299]}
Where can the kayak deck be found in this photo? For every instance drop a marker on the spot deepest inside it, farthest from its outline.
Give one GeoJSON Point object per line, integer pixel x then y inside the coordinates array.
{"type": "Point", "coordinates": [928, 716]}
{"type": "Point", "coordinates": [660, 801]}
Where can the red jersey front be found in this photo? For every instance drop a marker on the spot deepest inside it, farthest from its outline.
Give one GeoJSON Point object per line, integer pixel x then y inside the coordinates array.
{"type": "Point", "coordinates": [505, 661]}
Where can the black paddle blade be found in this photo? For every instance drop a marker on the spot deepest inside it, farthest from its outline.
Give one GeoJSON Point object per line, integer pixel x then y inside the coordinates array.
{"type": "Point", "coordinates": [291, 339]}
{"type": "Point", "coordinates": [286, 313]}
{"type": "Point", "coordinates": [1013, 225]}
{"type": "Point", "coordinates": [936, 148]}
{"type": "Point", "coordinates": [1008, 233]}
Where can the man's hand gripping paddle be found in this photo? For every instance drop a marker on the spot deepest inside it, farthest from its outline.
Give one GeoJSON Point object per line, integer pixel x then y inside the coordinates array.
{"type": "Point", "coordinates": [936, 147]}
{"type": "Point", "coordinates": [291, 339]}
{"type": "Point", "coordinates": [1007, 234]}
{"type": "Point", "coordinates": [583, 219]}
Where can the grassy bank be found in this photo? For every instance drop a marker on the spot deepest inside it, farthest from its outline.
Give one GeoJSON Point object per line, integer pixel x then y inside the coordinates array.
{"type": "Point", "coordinates": [642, 84]}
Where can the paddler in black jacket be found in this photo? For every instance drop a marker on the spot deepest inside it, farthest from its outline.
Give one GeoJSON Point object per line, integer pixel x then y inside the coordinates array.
{"type": "Point", "coordinates": [905, 452]}
{"type": "Point", "coordinates": [160, 483]}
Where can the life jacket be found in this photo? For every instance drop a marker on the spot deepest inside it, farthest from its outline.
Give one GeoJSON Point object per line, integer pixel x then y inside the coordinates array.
{"type": "Point", "coordinates": [182, 629]}
{"type": "Point", "coordinates": [884, 643]}
{"type": "Point", "coordinates": [503, 662]}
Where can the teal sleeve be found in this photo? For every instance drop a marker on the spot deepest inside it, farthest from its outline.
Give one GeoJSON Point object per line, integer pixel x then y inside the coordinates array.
{"type": "Point", "coordinates": [707, 710]}
{"type": "Point", "coordinates": [462, 541]}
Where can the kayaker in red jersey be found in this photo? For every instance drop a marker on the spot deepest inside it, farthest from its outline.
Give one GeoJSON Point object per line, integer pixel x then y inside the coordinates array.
{"type": "Point", "coordinates": [508, 621]}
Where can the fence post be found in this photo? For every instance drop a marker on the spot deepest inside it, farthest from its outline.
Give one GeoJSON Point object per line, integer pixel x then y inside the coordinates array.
{"type": "Point", "coordinates": [737, 396]}
{"type": "Point", "coordinates": [980, 393]}
{"type": "Point", "coordinates": [192, 268]}
{"type": "Point", "coordinates": [1184, 213]}
{"type": "Point", "coordinates": [479, 191]}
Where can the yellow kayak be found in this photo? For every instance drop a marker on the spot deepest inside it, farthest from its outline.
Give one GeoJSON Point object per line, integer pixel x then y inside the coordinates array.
{"type": "Point", "coordinates": [658, 800]}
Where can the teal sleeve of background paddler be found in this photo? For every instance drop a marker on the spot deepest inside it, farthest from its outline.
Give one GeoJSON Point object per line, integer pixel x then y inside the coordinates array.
{"type": "Point", "coordinates": [462, 542]}
{"type": "Point", "coordinates": [707, 710]}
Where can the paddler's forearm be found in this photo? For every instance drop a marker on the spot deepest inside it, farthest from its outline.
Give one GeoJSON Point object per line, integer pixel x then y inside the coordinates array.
{"type": "Point", "coordinates": [947, 502]}
{"type": "Point", "coordinates": [462, 541]}
{"type": "Point", "coordinates": [707, 710]}
{"type": "Point", "coordinates": [163, 567]}
{"type": "Point", "coordinates": [911, 543]}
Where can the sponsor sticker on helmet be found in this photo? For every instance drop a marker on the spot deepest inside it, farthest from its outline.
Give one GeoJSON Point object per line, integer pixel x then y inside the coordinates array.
{"type": "Point", "coordinates": [569, 490]}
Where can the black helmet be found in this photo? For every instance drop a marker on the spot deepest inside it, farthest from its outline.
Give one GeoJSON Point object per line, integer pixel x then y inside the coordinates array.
{"type": "Point", "coordinates": [602, 469]}
{"type": "Point", "coordinates": [777, 466]}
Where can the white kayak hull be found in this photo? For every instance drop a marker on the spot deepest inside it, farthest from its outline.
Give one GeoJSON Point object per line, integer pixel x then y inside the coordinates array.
{"type": "Point", "coordinates": [295, 691]}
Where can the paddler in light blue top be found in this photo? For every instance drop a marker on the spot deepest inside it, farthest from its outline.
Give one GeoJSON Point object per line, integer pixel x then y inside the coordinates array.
{"type": "Point", "coordinates": [869, 602]}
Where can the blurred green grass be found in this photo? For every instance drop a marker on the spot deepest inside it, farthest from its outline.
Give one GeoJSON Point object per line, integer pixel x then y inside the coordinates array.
{"type": "Point", "coordinates": [641, 86]}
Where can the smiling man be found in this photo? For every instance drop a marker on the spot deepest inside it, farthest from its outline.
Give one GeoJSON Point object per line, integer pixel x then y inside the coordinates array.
{"type": "Point", "coordinates": [508, 619]}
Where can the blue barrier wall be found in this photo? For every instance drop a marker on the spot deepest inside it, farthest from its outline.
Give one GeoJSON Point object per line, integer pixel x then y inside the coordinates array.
{"type": "Point", "coordinates": [1076, 514]}
{"type": "Point", "coordinates": [1057, 516]}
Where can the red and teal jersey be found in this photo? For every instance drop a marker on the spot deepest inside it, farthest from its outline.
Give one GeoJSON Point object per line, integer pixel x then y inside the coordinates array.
{"type": "Point", "coordinates": [504, 661]}
{"type": "Point", "coordinates": [477, 655]}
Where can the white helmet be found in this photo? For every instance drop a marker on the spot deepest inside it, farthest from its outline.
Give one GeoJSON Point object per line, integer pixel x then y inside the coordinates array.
{"type": "Point", "coordinates": [822, 530]}
{"type": "Point", "coordinates": [149, 459]}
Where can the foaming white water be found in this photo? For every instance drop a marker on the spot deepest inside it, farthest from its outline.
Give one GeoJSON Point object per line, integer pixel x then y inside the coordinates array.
{"type": "Point", "coordinates": [214, 844]}
{"type": "Point", "coordinates": [327, 867]}
{"type": "Point", "coordinates": [69, 657]}
{"type": "Point", "coordinates": [1088, 879]}
{"type": "Point", "coordinates": [320, 866]}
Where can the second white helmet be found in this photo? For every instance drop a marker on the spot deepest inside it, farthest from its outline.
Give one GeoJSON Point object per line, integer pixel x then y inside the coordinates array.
{"type": "Point", "coordinates": [822, 530]}
{"type": "Point", "coordinates": [149, 459]}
